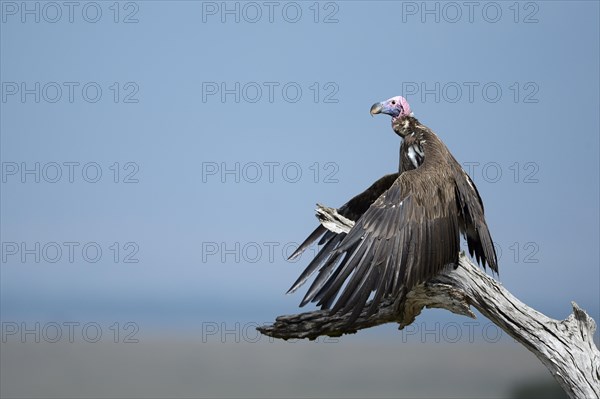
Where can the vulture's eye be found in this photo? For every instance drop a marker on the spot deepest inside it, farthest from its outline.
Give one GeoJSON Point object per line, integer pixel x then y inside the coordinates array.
{"type": "Point", "coordinates": [393, 102]}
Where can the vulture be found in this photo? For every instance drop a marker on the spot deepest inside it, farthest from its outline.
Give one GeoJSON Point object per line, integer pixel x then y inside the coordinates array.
{"type": "Point", "coordinates": [407, 226]}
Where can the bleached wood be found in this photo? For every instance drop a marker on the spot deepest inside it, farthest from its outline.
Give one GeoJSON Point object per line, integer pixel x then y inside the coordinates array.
{"type": "Point", "coordinates": [565, 347]}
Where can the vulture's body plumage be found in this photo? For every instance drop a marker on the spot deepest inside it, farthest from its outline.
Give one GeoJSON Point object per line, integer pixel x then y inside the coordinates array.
{"type": "Point", "coordinates": [407, 225]}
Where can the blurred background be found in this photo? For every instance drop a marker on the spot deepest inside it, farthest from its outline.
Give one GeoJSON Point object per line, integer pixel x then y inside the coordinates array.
{"type": "Point", "coordinates": [160, 160]}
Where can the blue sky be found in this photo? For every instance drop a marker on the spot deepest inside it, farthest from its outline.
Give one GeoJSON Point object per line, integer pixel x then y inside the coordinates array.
{"type": "Point", "coordinates": [215, 131]}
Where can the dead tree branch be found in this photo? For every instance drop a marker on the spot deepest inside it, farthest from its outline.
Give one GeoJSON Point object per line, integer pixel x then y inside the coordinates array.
{"type": "Point", "coordinates": [565, 347]}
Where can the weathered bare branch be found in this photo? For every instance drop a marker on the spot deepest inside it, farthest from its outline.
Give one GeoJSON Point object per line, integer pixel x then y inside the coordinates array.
{"type": "Point", "coordinates": [566, 347]}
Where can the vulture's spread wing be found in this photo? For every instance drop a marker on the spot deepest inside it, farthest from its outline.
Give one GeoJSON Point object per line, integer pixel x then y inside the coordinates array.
{"type": "Point", "coordinates": [352, 210]}
{"type": "Point", "coordinates": [406, 236]}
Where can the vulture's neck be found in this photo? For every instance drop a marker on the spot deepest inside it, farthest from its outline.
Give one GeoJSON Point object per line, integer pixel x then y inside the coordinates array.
{"type": "Point", "coordinates": [406, 126]}
{"type": "Point", "coordinates": [412, 149]}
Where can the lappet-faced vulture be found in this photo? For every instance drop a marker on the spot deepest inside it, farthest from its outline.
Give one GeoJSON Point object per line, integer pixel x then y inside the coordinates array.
{"type": "Point", "coordinates": [407, 225]}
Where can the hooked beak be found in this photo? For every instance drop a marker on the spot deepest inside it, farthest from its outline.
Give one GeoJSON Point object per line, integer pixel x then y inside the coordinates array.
{"type": "Point", "coordinates": [376, 108]}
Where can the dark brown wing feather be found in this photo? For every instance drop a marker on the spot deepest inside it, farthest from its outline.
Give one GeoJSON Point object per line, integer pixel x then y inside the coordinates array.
{"type": "Point", "coordinates": [352, 210]}
{"type": "Point", "coordinates": [408, 235]}
{"type": "Point", "coordinates": [473, 224]}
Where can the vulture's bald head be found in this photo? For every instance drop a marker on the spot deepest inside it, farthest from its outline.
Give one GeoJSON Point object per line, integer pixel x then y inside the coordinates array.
{"type": "Point", "coordinates": [396, 107]}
